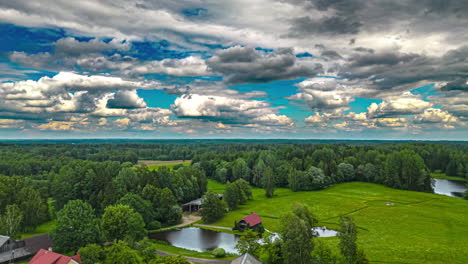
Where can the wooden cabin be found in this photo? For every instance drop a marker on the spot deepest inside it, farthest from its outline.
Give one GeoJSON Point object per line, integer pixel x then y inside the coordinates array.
{"type": "Point", "coordinates": [251, 221]}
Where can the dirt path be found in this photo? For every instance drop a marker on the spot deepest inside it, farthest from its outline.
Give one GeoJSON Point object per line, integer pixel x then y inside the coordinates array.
{"type": "Point", "coordinates": [188, 219]}
{"type": "Point", "coordinates": [212, 226]}
{"type": "Point", "coordinates": [197, 260]}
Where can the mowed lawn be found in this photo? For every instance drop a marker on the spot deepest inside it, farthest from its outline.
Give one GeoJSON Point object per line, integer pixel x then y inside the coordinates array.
{"type": "Point", "coordinates": [418, 228]}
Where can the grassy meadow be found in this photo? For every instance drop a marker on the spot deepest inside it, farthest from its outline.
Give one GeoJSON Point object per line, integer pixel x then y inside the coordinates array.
{"type": "Point", "coordinates": [45, 228]}
{"type": "Point", "coordinates": [156, 164]}
{"type": "Point", "coordinates": [418, 228]}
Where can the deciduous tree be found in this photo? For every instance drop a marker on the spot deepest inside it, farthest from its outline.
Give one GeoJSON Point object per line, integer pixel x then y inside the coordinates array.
{"type": "Point", "coordinates": [77, 226]}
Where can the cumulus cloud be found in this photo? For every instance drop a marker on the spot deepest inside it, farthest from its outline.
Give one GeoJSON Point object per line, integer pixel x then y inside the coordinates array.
{"type": "Point", "coordinates": [396, 106]}
{"type": "Point", "coordinates": [247, 65]}
{"type": "Point", "coordinates": [126, 99]}
{"type": "Point", "coordinates": [66, 93]}
{"type": "Point", "coordinates": [327, 94]}
{"type": "Point", "coordinates": [228, 110]}
{"type": "Point", "coordinates": [434, 115]}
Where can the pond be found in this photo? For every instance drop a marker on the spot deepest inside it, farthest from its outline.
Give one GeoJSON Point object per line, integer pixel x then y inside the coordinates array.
{"type": "Point", "coordinates": [324, 232]}
{"type": "Point", "coordinates": [449, 187]}
{"type": "Point", "coordinates": [198, 239]}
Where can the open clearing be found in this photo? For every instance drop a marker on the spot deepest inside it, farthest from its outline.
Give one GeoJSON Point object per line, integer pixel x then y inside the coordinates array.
{"type": "Point", "coordinates": [418, 228]}
{"type": "Point", "coordinates": [156, 164]}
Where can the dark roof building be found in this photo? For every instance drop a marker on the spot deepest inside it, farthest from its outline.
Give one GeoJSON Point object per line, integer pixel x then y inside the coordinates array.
{"type": "Point", "coordinates": [48, 257]}
{"type": "Point", "coordinates": [246, 259]}
{"type": "Point", "coordinates": [252, 220]}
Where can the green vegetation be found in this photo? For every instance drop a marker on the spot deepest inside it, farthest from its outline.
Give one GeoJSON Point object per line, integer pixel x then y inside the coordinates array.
{"type": "Point", "coordinates": [170, 164]}
{"type": "Point", "coordinates": [77, 226]}
{"type": "Point", "coordinates": [444, 176]}
{"type": "Point", "coordinates": [213, 207]}
{"type": "Point", "coordinates": [45, 228]}
{"type": "Point", "coordinates": [417, 228]}
{"type": "Point", "coordinates": [188, 253]}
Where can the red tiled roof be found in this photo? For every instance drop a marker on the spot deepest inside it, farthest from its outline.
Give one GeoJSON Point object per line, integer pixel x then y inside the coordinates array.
{"type": "Point", "coordinates": [48, 257]}
{"type": "Point", "coordinates": [252, 219]}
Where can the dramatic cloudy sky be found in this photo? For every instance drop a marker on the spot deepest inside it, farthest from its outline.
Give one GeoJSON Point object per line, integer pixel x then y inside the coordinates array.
{"type": "Point", "coordinates": [361, 69]}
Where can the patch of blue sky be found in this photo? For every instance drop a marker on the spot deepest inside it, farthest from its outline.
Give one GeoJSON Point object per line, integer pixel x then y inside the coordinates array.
{"type": "Point", "coordinates": [277, 92]}
{"type": "Point", "coordinates": [195, 12]}
{"type": "Point", "coordinates": [276, 89]}
{"type": "Point", "coordinates": [30, 40]}
{"type": "Point", "coordinates": [168, 79]}
{"type": "Point", "coordinates": [426, 90]}
{"type": "Point", "coordinates": [155, 50]}
{"type": "Point", "coordinates": [360, 104]}
{"type": "Point", "coordinates": [264, 49]}
{"type": "Point", "coordinates": [304, 55]}
{"type": "Point", "coordinates": [157, 98]}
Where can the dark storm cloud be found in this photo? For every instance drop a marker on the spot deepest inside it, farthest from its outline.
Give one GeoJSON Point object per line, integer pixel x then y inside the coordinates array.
{"type": "Point", "coordinates": [247, 65]}
{"type": "Point", "coordinates": [331, 54]}
{"type": "Point", "coordinates": [303, 26]}
{"type": "Point", "coordinates": [354, 16]}
{"type": "Point", "coordinates": [459, 84]}
{"type": "Point", "coordinates": [391, 69]}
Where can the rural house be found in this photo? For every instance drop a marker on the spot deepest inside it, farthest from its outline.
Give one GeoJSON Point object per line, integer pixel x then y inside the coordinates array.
{"type": "Point", "coordinates": [48, 257]}
{"type": "Point", "coordinates": [14, 250]}
{"type": "Point", "coordinates": [251, 221]}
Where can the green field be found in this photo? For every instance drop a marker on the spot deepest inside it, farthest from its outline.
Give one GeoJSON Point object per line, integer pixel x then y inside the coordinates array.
{"type": "Point", "coordinates": [45, 228]}
{"type": "Point", "coordinates": [418, 228]}
{"type": "Point", "coordinates": [156, 164]}
{"type": "Point", "coordinates": [444, 176]}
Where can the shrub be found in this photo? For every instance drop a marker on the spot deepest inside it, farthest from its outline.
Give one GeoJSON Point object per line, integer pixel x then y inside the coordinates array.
{"type": "Point", "coordinates": [154, 225]}
{"type": "Point", "coordinates": [219, 253]}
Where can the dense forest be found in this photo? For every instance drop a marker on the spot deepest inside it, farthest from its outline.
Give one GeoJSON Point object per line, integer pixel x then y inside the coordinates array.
{"type": "Point", "coordinates": [121, 201]}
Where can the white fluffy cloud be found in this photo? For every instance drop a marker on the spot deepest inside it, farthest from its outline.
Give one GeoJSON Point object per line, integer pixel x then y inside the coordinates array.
{"type": "Point", "coordinates": [434, 115]}
{"type": "Point", "coordinates": [398, 105]}
{"type": "Point", "coordinates": [228, 110]}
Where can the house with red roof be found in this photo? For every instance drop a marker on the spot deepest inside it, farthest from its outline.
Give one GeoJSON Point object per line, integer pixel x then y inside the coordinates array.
{"type": "Point", "coordinates": [250, 221]}
{"type": "Point", "coordinates": [48, 257]}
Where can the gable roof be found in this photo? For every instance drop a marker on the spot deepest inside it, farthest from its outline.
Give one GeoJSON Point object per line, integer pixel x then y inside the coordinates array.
{"type": "Point", "coordinates": [3, 240]}
{"type": "Point", "coordinates": [246, 259]}
{"type": "Point", "coordinates": [252, 219]}
{"type": "Point", "coordinates": [48, 257]}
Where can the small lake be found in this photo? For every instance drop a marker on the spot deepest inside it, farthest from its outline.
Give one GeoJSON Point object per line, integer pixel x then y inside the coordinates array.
{"type": "Point", "coordinates": [324, 232]}
{"type": "Point", "coordinates": [198, 239]}
{"type": "Point", "coordinates": [449, 187]}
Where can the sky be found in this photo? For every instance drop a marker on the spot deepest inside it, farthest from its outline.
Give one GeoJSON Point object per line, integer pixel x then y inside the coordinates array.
{"type": "Point", "coordinates": [306, 69]}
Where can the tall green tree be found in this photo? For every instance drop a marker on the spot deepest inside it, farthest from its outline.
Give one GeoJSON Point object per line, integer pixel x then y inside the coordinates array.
{"type": "Point", "coordinates": [212, 207]}
{"type": "Point", "coordinates": [240, 170]}
{"type": "Point", "coordinates": [11, 220]}
{"type": "Point", "coordinates": [296, 234]}
{"type": "Point", "coordinates": [248, 243]}
{"type": "Point", "coordinates": [257, 172]}
{"type": "Point", "coordinates": [268, 182]}
{"type": "Point", "coordinates": [121, 222]}
{"type": "Point", "coordinates": [348, 242]}
{"type": "Point", "coordinates": [232, 196]}
{"type": "Point", "coordinates": [140, 205]}
{"type": "Point", "coordinates": [121, 253]}
{"type": "Point", "coordinates": [92, 254]}
{"type": "Point", "coordinates": [34, 207]}
{"type": "Point", "coordinates": [77, 226]}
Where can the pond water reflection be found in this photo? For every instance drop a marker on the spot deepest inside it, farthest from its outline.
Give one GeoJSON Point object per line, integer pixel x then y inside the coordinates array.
{"type": "Point", "coordinates": [449, 187]}
{"type": "Point", "coordinates": [198, 239]}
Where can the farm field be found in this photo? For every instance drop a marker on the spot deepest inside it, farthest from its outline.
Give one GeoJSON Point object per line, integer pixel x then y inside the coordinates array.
{"type": "Point", "coordinates": [418, 228]}
{"type": "Point", "coordinates": [156, 164]}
